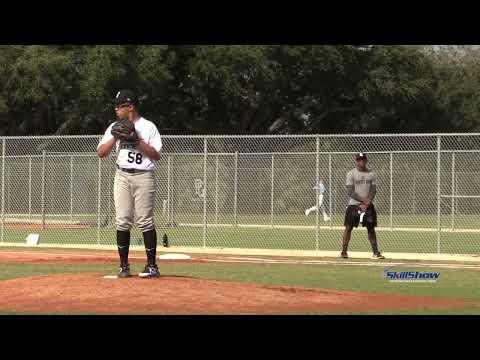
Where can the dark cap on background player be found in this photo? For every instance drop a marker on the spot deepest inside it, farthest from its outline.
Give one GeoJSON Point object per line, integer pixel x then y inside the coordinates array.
{"type": "Point", "coordinates": [361, 156]}
{"type": "Point", "coordinates": [126, 96]}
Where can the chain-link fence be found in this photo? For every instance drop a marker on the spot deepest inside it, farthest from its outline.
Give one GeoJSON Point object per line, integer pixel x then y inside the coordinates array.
{"type": "Point", "coordinates": [251, 191]}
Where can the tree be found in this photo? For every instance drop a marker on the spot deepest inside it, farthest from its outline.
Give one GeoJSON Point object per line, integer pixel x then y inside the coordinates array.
{"type": "Point", "coordinates": [225, 87]}
{"type": "Point", "coordinates": [397, 92]}
{"type": "Point", "coordinates": [242, 89]}
{"type": "Point", "coordinates": [458, 90]}
{"type": "Point", "coordinates": [316, 87]}
{"type": "Point", "coordinates": [38, 82]}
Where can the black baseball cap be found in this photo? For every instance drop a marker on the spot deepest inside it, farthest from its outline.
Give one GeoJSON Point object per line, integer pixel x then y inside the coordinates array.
{"type": "Point", "coordinates": [361, 156]}
{"type": "Point", "coordinates": [126, 96]}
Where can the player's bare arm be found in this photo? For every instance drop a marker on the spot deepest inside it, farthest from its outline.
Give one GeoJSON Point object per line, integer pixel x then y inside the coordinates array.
{"type": "Point", "coordinates": [105, 149]}
{"type": "Point", "coordinates": [371, 195]}
{"type": "Point", "coordinates": [148, 150]}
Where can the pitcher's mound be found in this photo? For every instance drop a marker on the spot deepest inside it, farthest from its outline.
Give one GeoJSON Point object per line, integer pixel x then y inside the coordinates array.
{"type": "Point", "coordinates": [92, 293]}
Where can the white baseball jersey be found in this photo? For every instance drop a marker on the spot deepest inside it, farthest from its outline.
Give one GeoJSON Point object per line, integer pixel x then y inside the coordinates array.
{"type": "Point", "coordinates": [128, 156]}
{"type": "Point", "coordinates": [321, 187]}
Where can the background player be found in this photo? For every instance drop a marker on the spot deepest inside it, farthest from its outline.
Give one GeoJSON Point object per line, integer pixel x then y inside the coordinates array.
{"type": "Point", "coordinates": [361, 187]}
{"type": "Point", "coordinates": [134, 184]}
{"type": "Point", "coordinates": [321, 191]}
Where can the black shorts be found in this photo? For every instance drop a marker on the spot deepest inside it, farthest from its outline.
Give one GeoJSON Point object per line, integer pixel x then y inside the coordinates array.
{"type": "Point", "coordinates": [352, 216]}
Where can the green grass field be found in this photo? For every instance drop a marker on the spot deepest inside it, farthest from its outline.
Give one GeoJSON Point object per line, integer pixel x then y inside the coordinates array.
{"type": "Point", "coordinates": [410, 220]}
{"type": "Point", "coordinates": [266, 237]}
{"type": "Point", "coordinates": [398, 220]}
{"type": "Point", "coordinates": [452, 283]}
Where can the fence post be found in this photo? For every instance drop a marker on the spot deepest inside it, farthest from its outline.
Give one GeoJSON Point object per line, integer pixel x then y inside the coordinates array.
{"type": "Point", "coordinates": [205, 150]}
{"type": "Point", "coordinates": [317, 178]}
{"type": "Point", "coordinates": [414, 195]}
{"type": "Point", "coordinates": [235, 186]}
{"type": "Point", "coordinates": [52, 207]}
{"type": "Point", "coordinates": [453, 189]}
{"type": "Point", "coordinates": [330, 189]}
{"type": "Point", "coordinates": [3, 189]}
{"type": "Point", "coordinates": [391, 191]}
{"type": "Point", "coordinates": [43, 189]}
{"type": "Point", "coordinates": [216, 189]}
{"type": "Point", "coordinates": [71, 189]}
{"type": "Point", "coordinates": [99, 198]}
{"type": "Point", "coordinates": [168, 189]}
{"type": "Point", "coordinates": [110, 197]}
{"type": "Point", "coordinates": [271, 193]}
{"type": "Point", "coordinates": [438, 194]}
{"type": "Point", "coordinates": [30, 188]}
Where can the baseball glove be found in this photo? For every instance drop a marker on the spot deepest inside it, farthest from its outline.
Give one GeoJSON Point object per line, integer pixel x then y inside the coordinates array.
{"type": "Point", "coordinates": [124, 130]}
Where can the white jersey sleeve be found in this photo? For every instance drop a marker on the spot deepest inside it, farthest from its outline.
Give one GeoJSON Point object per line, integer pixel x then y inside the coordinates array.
{"type": "Point", "coordinates": [155, 140]}
{"type": "Point", "coordinates": [107, 136]}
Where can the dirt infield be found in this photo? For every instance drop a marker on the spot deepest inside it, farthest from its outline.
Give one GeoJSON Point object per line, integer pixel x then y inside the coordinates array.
{"type": "Point", "coordinates": [91, 293]}
{"type": "Point", "coordinates": [59, 256]}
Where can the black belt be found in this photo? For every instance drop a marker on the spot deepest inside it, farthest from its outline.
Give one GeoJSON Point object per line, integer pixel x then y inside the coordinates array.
{"type": "Point", "coordinates": [131, 171]}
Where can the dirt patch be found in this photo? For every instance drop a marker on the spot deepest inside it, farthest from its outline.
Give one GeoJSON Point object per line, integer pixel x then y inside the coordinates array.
{"type": "Point", "coordinates": [62, 257]}
{"type": "Point", "coordinates": [91, 293]}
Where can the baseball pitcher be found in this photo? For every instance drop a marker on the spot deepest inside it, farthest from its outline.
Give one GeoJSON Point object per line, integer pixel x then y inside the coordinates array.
{"type": "Point", "coordinates": [138, 144]}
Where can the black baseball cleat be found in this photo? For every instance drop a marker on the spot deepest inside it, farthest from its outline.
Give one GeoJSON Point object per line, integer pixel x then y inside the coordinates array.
{"type": "Point", "coordinates": [150, 271]}
{"type": "Point", "coordinates": [378, 256]}
{"type": "Point", "coordinates": [344, 255]}
{"type": "Point", "coordinates": [124, 271]}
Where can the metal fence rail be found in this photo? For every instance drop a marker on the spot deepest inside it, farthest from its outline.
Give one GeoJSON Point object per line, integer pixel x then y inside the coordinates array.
{"type": "Point", "coordinates": [251, 191]}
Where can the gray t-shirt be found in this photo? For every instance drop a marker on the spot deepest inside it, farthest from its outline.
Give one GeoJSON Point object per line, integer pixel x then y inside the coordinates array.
{"type": "Point", "coordinates": [362, 182]}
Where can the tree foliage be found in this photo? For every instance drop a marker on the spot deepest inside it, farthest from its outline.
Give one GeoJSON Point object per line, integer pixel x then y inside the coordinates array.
{"type": "Point", "coordinates": [242, 89]}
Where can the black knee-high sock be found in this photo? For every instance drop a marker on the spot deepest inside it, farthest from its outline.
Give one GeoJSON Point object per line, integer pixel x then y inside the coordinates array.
{"type": "Point", "coordinates": [150, 241]}
{"type": "Point", "coordinates": [346, 239]}
{"type": "Point", "coordinates": [372, 237]}
{"type": "Point", "coordinates": [123, 244]}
